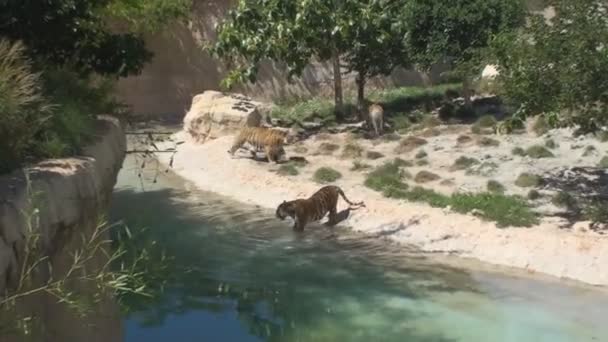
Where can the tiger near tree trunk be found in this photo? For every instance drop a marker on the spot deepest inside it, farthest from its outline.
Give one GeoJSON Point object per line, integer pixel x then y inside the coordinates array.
{"type": "Point", "coordinates": [314, 208]}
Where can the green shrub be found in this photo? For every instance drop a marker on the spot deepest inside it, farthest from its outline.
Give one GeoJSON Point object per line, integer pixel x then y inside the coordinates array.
{"type": "Point", "coordinates": [403, 163]}
{"type": "Point", "coordinates": [504, 210]}
{"type": "Point", "coordinates": [24, 111]}
{"type": "Point", "coordinates": [288, 170]}
{"type": "Point", "coordinates": [518, 151]}
{"type": "Point", "coordinates": [421, 154]}
{"type": "Point", "coordinates": [315, 108]}
{"type": "Point", "coordinates": [327, 148]}
{"type": "Point", "coordinates": [463, 163]}
{"type": "Point", "coordinates": [550, 143]}
{"type": "Point", "coordinates": [604, 163]}
{"type": "Point", "coordinates": [385, 177]}
{"type": "Point", "coordinates": [463, 139]}
{"type": "Point", "coordinates": [528, 180]}
{"type": "Point", "coordinates": [373, 155]}
{"type": "Point", "coordinates": [571, 84]}
{"type": "Point", "coordinates": [563, 199]}
{"type": "Point", "coordinates": [352, 150]}
{"type": "Point", "coordinates": [422, 162]}
{"type": "Point", "coordinates": [325, 175]}
{"type": "Point", "coordinates": [533, 195]}
{"type": "Point", "coordinates": [495, 187]}
{"type": "Point", "coordinates": [400, 123]}
{"type": "Point", "coordinates": [538, 152]}
{"type": "Point", "coordinates": [426, 177]}
{"type": "Point", "coordinates": [487, 142]}
{"type": "Point", "coordinates": [409, 144]}
{"type": "Point", "coordinates": [596, 212]}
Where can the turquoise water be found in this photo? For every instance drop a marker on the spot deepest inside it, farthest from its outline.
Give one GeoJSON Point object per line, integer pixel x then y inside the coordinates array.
{"type": "Point", "coordinates": [241, 275]}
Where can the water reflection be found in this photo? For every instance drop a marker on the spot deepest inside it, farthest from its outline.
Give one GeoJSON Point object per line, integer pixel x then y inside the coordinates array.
{"type": "Point", "coordinates": [241, 275]}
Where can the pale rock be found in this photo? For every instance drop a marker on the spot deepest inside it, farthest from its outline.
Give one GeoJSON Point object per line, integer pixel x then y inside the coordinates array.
{"type": "Point", "coordinates": [214, 114]}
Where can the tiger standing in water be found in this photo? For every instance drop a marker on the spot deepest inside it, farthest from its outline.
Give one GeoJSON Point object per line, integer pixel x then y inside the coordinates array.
{"type": "Point", "coordinates": [261, 138]}
{"type": "Point", "coordinates": [314, 208]}
{"type": "Point", "coordinates": [376, 118]}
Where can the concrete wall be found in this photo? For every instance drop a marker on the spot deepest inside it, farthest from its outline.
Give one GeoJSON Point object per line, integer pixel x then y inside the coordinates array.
{"type": "Point", "coordinates": [70, 196]}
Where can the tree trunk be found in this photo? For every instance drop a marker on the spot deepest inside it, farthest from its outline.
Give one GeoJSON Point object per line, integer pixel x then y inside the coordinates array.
{"type": "Point", "coordinates": [338, 99]}
{"type": "Point", "coordinates": [361, 95]}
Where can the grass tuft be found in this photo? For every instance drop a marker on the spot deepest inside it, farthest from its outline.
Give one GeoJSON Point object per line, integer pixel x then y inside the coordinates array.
{"type": "Point", "coordinates": [326, 175]}
{"type": "Point", "coordinates": [538, 152]}
{"type": "Point", "coordinates": [528, 180]}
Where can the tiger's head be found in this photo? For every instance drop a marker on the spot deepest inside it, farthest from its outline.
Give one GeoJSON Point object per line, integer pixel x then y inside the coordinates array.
{"type": "Point", "coordinates": [285, 209]}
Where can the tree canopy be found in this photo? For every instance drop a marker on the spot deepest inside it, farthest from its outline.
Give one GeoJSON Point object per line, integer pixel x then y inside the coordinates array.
{"type": "Point", "coordinates": [558, 67]}
{"type": "Point", "coordinates": [368, 35]}
{"type": "Point", "coordinates": [78, 33]}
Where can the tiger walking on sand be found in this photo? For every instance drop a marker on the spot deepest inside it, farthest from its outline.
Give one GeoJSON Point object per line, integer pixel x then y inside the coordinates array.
{"type": "Point", "coordinates": [261, 138]}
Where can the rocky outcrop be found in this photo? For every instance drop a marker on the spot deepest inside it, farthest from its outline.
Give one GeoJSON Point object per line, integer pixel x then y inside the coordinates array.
{"type": "Point", "coordinates": [58, 198]}
{"type": "Point", "coordinates": [214, 114]}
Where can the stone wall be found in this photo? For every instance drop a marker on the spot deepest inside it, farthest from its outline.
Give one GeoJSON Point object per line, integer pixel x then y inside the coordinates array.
{"type": "Point", "coordinates": [70, 195]}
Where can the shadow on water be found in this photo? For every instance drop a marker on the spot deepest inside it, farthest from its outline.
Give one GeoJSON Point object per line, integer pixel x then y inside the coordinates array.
{"type": "Point", "coordinates": [237, 260]}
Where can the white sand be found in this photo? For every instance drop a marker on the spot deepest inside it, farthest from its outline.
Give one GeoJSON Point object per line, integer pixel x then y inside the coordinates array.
{"type": "Point", "coordinates": [573, 254]}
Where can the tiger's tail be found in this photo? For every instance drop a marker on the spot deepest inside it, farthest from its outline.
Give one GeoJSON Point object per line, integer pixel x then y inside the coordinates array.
{"type": "Point", "coordinates": [356, 204]}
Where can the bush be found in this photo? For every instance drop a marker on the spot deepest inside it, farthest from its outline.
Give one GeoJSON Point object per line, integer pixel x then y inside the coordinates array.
{"type": "Point", "coordinates": [550, 143]}
{"type": "Point", "coordinates": [426, 177]}
{"type": "Point", "coordinates": [504, 210]}
{"type": "Point", "coordinates": [352, 151]}
{"type": "Point", "coordinates": [604, 163]}
{"type": "Point", "coordinates": [30, 128]}
{"type": "Point", "coordinates": [24, 111]}
{"type": "Point", "coordinates": [386, 177]}
{"type": "Point", "coordinates": [403, 163]}
{"type": "Point", "coordinates": [327, 148]}
{"type": "Point", "coordinates": [409, 144]}
{"type": "Point", "coordinates": [422, 162]}
{"type": "Point", "coordinates": [421, 154]}
{"type": "Point", "coordinates": [325, 175]}
{"type": "Point", "coordinates": [488, 142]}
{"type": "Point", "coordinates": [463, 163]}
{"type": "Point", "coordinates": [373, 155]}
{"type": "Point", "coordinates": [533, 195]}
{"type": "Point", "coordinates": [528, 180]}
{"type": "Point", "coordinates": [563, 199]}
{"type": "Point", "coordinates": [518, 151]}
{"type": "Point", "coordinates": [495, 187]}
{"type": "Point", "coordinates": [542, 70]}
{"type": "Point", "coordinates": [538, 152]}
{"type": "Point", "coordinates": [596, 212]}
{"type": "Point", "coordinates": [288, 170]}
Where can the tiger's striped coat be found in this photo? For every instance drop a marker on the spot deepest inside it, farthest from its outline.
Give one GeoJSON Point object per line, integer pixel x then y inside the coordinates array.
{"type": "Point", "coordinates": [314, 208]}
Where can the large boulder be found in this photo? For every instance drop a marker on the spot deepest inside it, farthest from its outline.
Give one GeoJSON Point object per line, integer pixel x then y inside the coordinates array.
{"type": "Point", "coordinates": [214, 114]}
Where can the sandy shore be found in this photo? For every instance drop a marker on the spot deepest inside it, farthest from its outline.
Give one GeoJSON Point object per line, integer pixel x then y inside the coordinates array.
{"type": "Point", "coordinates": [545, 248]}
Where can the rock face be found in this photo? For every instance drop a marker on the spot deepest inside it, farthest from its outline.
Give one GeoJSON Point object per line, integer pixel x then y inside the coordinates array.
{"type": "Point", "coordinates": [65, 198]}
{"type": "Point", "coordinates": [214, 114]}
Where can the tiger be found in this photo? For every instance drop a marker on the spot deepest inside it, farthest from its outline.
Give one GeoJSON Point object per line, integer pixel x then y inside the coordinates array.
{"type": "Point", "coordinates": [314, 208]}
{"type": "Point", "coordinates": [376, 118]}
{"type": "Point", "coordinates": [261, 138]}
